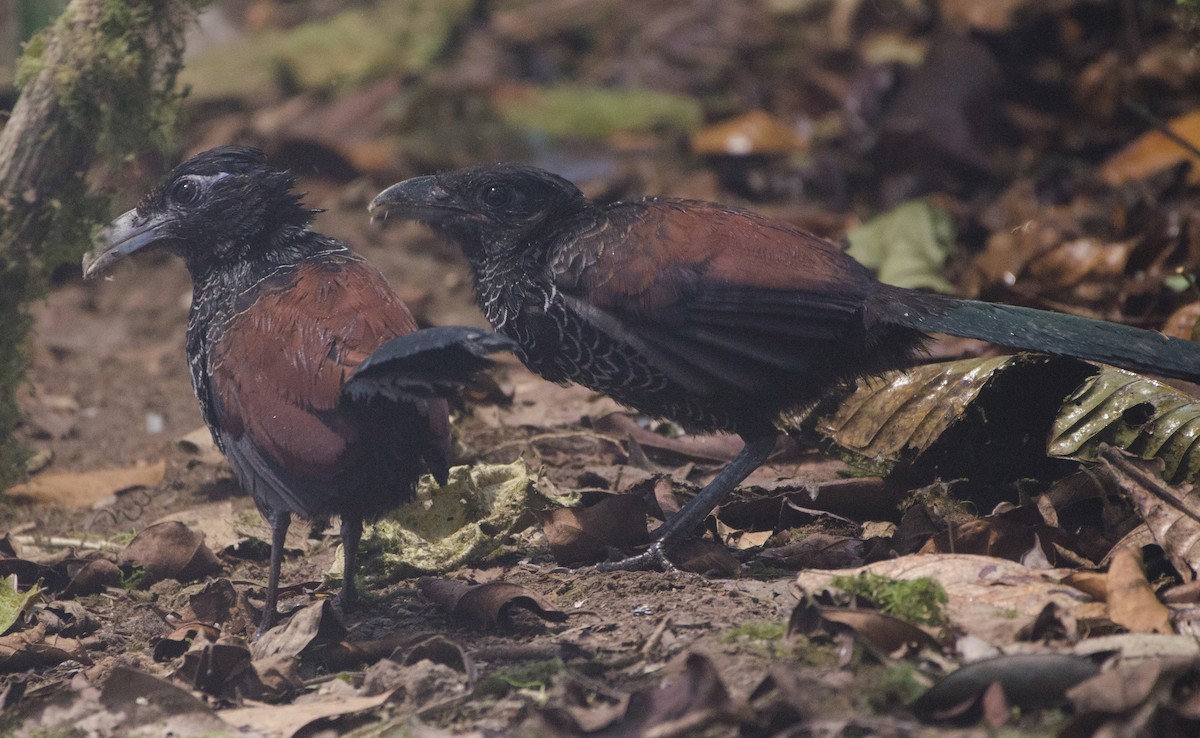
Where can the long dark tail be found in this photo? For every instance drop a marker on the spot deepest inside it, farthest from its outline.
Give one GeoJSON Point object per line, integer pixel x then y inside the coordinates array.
{"type": "Point", "coordinates": [428, 363]}
{"type": "Point", "coordinates": [1041, 330]}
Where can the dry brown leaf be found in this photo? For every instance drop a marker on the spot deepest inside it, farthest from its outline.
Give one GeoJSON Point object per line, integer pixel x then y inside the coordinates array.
{"type": "Point", "coordinates": [92, 577]}
{"type": "Point", "coordinates": [68, 618]}
{"type": "Point", "coordinates": [1092, 582]}
{"type": "Point", "coordinates": [1131, 600]}
{"type": "Point", "coordinates": [714, 448]}
{"type": "Point", "coordinates": [541, 404]}
{"type": "Point", "coordinates": [1121, 688]}
{"type": "Point", "coordinates": [28, 649]}
{"type": "Point", "coordinates": [753, 133]}
{"type": "Point", "coordinates": [222, 527]}
{"type": "Point", "coordinates": [84, 489]}
{"type": "Point", "coordinates": [490, 603]}
{"type": "Point", "coordinates": [289, 720]}
{"type": "Point", "coordinates": [1000, 537]}
{"type": "Point", "coordinates": [584, 534]}
{"type": "Point", "coordinates": [1184, 323]}
{"type": "Point", "coordinates": [1172, 514]}
{"type": "Point", "coordinates": [702, 556]}
{"type": "Point", "coordinates": [170, 550]}
{"type": "Point", "coordinates": [142, 699]}
{"type": "Point", "coordinates": [818, 551]}
{"type": "Point", "coordinates": [313, 626]}
{"type": "Point", "coordinates": [989, 598]}
{"type": "Point", "coordinates": [688, 704]}
{"type": "Point", "coordinates": [1153, 152]}
{"type": "Point", "coordinates": [1145, 697]}
{"type": "Point", "coordinates": [1079, 260]}
{"type": "Point", "coordinates": [178, 641]}
{"type": "Point", "coordinates": [220, 669]}
{"type": "Point", "coordinates": [887, 634]}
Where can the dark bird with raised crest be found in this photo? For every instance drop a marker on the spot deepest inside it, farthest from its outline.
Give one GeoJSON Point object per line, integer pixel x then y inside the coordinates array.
{"type": "Point", "coordinates": [310, 371]}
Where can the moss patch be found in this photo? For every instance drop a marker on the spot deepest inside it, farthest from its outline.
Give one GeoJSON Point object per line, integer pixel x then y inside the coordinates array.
{"type": "Point", "coordinates": [883, 689]}
{"type": "Point", "coordinates": [113, 92]}
{"type": "Point", "coordinates": [590, 112]}
{"type": "Point", "coordinates": [922, 600]}
{"type": "Point", "coordinates": [537, 676]}
{"type": "Point", "coordinates": [337, 52]}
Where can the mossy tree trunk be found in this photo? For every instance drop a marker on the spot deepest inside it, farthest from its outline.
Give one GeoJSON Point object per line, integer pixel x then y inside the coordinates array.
{"type": "Point", "coordinates": [98, 83]}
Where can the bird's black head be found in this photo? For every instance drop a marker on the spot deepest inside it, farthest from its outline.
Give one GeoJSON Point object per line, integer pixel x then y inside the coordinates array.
{"type": "Point", "coordinates": [221, 207]}
{"type": "Point", "coordinates": [491, 211]}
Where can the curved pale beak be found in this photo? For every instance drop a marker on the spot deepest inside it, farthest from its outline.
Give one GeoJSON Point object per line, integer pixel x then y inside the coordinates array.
{"type": "Point", "coordinates": [420, 198]}
{"type": "Point", "coordinates": [125, 235]}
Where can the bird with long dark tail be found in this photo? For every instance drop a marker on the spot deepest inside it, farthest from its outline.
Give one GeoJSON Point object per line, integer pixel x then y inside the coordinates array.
{"type": "Point", "coordinates": [310, 371]}
{"type": "Point", "coordinates": [714, 317]}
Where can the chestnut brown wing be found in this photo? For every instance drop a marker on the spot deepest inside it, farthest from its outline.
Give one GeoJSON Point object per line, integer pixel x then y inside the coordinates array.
{"type": "Point", "coordinates": [277, 371]}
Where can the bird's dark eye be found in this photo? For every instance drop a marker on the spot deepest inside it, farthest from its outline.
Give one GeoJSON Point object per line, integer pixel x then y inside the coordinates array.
{"type": "Point", "coordinates": [498, 196]}
{"type": "Point", "coordinates": [185, 192]}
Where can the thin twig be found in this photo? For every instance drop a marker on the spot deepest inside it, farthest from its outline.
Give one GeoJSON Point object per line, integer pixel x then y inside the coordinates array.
{"type": "Point", "coordinates": [61, 542]}
{"type": "Point", "coordinates": [656, 637]}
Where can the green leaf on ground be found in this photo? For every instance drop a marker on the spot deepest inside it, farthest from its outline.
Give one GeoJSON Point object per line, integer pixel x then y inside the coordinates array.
{"type": "Point", "coordinates": [13, 602]}
{"type": "Point", "coordinates": [1144, 417]}
{"type": "Point", "coordinates": [907, 246]}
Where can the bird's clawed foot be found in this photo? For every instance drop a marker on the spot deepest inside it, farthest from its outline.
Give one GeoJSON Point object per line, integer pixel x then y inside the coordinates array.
{"type": "Point", "coordinates": [652, 559]}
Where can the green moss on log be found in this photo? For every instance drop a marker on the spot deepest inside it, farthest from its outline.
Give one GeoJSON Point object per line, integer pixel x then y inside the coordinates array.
{"type": "Point", "coordinates": [101, 81]}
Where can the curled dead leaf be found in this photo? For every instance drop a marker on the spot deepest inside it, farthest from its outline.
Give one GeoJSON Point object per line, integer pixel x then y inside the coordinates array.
{"type": "Point", "coordinates": [490, 603]}
{"type": "Point", "coordinates": [170, 550]}
{"type": "Point", "coordinates": [584, 534]}
{"type": "Point", "coordinates": [142, 699]}
{"type": "Point", "coordinates": [688, 704]}
{"type": "Point", "coordinates": [29, 649]}
{"type": "Point", "coordinates": [1131, 600]}
{"type": "Point", "coordinates": [703, 556]}
{"type": "Point", "coordinates": [1125, 686]}
{"type": "Point", "coordinates": [178, 641]}
{"type": "Point", "coordinates": [308, 630]}
{"type": "Point", "coordinates": [1153, 151]}
{"type": "Point", "coordinates": [91, 576]}
{"type": "Point", "coordinates": [220, 604]}
{"type": "Point", "coordinates": [1030, 681]}
{"type": "Point", "coordinates": [1079, 260]}
{"type": "Point", "coordinates": [222, 668]}
{"type": "Point", "coordinates": [887, 635]}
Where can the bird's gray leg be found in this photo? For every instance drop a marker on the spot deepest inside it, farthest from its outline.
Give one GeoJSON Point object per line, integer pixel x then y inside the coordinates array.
{"type": "Point", "coordinates": [756, 451]}
{"type": "Point", "coordinates": [279, 522]}
{"type": "Point", "coordinates": [351, 534]}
